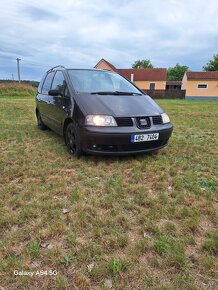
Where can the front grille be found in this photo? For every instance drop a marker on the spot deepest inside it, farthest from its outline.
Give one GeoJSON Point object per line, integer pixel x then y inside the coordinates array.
{"type": "Point", "coordinates": [157, 120]}
{"type": "Point", "coordinates": [127, 121]}
{"type": "Point", "coordinates": [124, 121]}
{"type": "Point", "coordinates": [143, 122]}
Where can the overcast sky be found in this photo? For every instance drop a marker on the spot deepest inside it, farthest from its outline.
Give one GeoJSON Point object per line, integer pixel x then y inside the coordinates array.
{"type": "Point", "coordinates": [78, 33]}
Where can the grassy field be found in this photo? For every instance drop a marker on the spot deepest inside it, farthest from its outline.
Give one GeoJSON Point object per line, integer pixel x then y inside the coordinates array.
{"type": "Point", "coordinates": [140, 222]}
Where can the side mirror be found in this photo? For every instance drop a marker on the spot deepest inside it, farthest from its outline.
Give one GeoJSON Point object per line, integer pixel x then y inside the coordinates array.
{"type": "Point", "coordinates": [54, 93]}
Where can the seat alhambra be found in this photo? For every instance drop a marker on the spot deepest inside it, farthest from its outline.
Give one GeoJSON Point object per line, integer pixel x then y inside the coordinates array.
{"type": "Point", "coordinates": [100, 112]}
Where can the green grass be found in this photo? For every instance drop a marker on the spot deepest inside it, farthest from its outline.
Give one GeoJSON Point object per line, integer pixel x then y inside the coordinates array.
{"type": "Point", "coordinates": [143, 222]}
{"type": "Point", "coordinates": [33, 249]}
{"type": "Point", "coordinates": [116, 266]}
{"type": "Point", "coordinates": [161, 245]}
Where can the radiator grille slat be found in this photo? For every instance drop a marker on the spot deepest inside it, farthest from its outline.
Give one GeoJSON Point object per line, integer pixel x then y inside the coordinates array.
{"type": "Point", "coordinates": [157, 120]}
{"type": "Point", "coordinates": [124, 121]}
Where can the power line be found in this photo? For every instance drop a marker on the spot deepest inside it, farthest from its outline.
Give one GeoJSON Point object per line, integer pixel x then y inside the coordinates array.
{"type": "Point", "coordinates": [27, 63]}
{"type": "Point", "coordinates": [38, 65]}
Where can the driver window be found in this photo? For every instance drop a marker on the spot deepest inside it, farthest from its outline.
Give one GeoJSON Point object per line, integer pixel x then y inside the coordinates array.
{"type": "Point", "coordinates": [66, 92]}
{"type": "Point", "coordinates": [59, 82]}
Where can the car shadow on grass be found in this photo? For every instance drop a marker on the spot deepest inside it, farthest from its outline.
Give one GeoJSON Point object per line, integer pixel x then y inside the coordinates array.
{"type": "Point", "coordinates": [60, 144]}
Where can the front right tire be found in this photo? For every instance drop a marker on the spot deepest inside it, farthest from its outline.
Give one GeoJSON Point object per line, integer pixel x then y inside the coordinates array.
{"type": "Point", "coordinates": [72, 140]}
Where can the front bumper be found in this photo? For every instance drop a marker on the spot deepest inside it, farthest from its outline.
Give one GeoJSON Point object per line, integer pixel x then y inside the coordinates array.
{"type": "Point", "coordinates": [117, 141]}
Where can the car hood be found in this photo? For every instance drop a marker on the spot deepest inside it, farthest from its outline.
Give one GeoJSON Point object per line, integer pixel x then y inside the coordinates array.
{"type": "Point", "coordinates": [117, 105]}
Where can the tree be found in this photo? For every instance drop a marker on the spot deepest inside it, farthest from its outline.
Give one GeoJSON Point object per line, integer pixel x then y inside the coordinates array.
{"type": "Point", "coordinates": [212, 65]}
{"type": "Point", "coordinates": [176, 73]}
{"type": "Point", "coordinates": [144, 63]}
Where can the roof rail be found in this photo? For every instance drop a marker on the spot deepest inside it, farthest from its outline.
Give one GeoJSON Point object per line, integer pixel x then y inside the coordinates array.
{"type": "Point", "coordinates": [55, 67]}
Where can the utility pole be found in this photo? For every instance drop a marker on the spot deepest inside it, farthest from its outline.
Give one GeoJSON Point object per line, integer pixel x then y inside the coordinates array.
{"type": "Point", "coordinates": [12, 77]}
{"type": "Point", "coordinates": [18, 69]}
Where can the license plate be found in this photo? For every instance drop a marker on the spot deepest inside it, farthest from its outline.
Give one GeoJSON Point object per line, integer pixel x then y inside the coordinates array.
{"type": "Point", "coordinates": [144, 137]}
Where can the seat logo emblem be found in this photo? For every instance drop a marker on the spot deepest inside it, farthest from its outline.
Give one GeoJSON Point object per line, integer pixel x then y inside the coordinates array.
{"type": "Point", "coordinates": [143, 122]}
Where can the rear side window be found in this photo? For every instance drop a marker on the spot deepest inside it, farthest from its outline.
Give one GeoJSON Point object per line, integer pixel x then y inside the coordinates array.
{"type": "Point", "coordinates": [47, 83]}
{"type": "Point", "coordinates": [59, 82]}
{"type": "Point", "coordinates": [40, 84]}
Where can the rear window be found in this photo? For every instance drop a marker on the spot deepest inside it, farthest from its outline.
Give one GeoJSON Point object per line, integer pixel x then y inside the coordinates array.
{"type": "Point", "coordinates": [47, 83]}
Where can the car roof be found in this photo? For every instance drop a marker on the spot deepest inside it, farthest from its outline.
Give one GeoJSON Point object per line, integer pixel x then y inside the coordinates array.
{"type": "Point", "coordinates": [61, 67]}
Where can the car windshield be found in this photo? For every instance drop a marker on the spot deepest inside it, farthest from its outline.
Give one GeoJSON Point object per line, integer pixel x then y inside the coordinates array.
{"type": "Point", "coordinates": [101, 82]}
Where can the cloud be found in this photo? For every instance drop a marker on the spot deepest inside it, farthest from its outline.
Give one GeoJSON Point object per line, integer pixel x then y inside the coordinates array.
{"type": "Point", "coordinates": [78, 33]}
{"type": "Point", "coordinates": [38, 14]}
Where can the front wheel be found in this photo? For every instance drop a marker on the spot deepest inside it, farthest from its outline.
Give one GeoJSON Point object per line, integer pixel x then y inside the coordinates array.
{"type": "Point", "coordinates": [72, 140]}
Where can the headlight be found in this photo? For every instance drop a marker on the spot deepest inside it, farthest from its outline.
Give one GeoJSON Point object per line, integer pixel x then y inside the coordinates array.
{"type": "Point", "coordinates": [165, 118]}
{"type": "Point", "coordinates": [100, 120]}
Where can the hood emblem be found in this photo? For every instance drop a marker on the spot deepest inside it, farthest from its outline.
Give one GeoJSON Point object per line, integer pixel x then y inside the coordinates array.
{"type": "Point", "coordinates": [143, 122]}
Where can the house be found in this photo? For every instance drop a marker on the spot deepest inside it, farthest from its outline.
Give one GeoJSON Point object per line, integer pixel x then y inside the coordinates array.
{"type": "Point", "coordinates": [104, 64]}
{"type": "Point", "coordinates": [201, 85]}
{"type": "Point", "coordinates": [144, 78]}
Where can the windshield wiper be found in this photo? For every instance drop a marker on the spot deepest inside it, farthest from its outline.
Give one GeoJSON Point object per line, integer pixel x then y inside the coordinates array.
{"type": "Point", "coordinates": [126, 93]}
{"type": "Point", "coordinates": [115, 93]}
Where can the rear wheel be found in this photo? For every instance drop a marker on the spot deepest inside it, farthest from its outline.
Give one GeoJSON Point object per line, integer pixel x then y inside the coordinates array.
{"type": "Point", "coordinates": [72, 140]}
{"type": "Point", "coordinates": [40, 123]}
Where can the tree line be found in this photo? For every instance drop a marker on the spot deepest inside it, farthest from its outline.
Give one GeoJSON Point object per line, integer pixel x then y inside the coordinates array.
{"type": "Point", "coordinates": [176, 73]}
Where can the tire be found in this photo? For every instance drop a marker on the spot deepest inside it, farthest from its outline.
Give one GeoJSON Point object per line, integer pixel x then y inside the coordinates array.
{"type": "Point", "coordinates": [72, 140]}
{"type": "Point", "coordinates": [40, 123]}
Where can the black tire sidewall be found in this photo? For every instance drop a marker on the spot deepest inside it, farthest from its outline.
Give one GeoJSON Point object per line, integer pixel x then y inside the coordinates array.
{"type": "Point", "coordinates": [78, 150]}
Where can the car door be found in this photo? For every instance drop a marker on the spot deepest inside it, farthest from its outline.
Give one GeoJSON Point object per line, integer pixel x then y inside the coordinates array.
{"type": "Point", "coordinates": [45, 101]}
{"type": "Point", "coordinates": [62, 102]}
